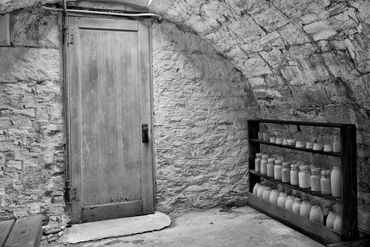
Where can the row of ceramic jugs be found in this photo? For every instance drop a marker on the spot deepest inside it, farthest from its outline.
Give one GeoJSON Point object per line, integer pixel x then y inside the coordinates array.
{"type": "Point", "coordinates": [297, 206]}
{"type": "Point", "coordinates": [299, 143]}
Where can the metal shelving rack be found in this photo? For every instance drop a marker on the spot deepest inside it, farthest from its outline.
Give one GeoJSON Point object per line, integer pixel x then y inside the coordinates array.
{"type": "Point", "coordinates": [348, 199]}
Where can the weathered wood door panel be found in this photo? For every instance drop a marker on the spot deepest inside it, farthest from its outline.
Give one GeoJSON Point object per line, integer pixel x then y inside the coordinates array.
{"type": "Point", "coordinates": [109, 100]}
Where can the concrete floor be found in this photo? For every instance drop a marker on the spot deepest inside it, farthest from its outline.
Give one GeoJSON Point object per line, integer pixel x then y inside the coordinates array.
{"type": "Point", "coordinates": [94, 231]}
{"type": "Point", "coordinates": [233, 228]}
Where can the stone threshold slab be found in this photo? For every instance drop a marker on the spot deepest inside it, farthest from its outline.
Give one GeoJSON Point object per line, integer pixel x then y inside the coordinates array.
{"type": "Point", "coordinates": [115, 228]}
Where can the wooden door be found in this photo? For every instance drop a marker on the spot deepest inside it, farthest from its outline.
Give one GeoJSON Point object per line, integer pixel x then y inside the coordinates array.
{"type": "Point", "coordinates": [109, 101]}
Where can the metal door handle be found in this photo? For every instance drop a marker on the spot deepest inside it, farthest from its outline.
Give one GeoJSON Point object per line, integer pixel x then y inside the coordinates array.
{"type": "Point", "coordinates": [144, 133]}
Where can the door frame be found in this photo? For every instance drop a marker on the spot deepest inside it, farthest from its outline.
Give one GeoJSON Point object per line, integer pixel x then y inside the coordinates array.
{"type": "Point", "coordinates": [71, 192]}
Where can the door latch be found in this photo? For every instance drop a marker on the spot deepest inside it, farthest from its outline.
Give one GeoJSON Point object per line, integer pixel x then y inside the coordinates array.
{"type": "Point", "coordinates": [144, 133]}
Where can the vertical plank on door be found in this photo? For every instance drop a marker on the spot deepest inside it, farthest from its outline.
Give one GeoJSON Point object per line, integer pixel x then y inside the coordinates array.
{"type": "Point", "coordinates": [74, 118]}
{"type": "Point", "coordinates": [90, 91]}
{"type": "Point", "coordinates": [107, 118]}
{"type": "Point", "coordinates": [146, 115]}
{"type": "Point", "coordinates": [131, 117]}
{"type": "Point", "coordinates": [118, 67]}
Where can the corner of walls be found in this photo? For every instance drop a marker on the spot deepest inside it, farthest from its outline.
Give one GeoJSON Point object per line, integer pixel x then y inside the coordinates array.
{"type": "Point", "coordinates": [201, 107]}
{"type": "Point", "coordinates": [304, 60]}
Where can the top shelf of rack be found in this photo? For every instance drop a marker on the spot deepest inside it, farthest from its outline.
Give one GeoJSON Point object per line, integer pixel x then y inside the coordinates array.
{"type": "Point", "coordinates": [319, 124]}
{"type": "Point", "coordinates": [294, 148]}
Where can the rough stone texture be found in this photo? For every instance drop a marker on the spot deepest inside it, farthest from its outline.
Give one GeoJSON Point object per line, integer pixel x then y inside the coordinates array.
{"type": "Point", "coordinates": [24, 64]}
{"type": "Point", "coordinates": [7, 6]}
{"type": "Point", "coordinates": [201, 104]}
{"type": "Point", "coordinates": [31, 123]}
{"type": "Point", "coordinates": [39, 30]}
{"type": "Point", "coordinates": [305, 60]}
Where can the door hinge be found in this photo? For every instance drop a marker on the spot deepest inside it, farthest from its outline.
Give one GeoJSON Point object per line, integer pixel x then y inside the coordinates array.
{"type": "Point", "coordinates": [69, 38]}
{"type": "Point", "coordinates": [71, 192]}
{"type": "Point", "coordinates": [72, 195]}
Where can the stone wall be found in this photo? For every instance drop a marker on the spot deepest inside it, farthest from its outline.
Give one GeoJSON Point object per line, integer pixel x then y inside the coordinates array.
{"type": "Point", "coordinates": [31, 123]}
{"type": "Point", "coordinates": [304, 59]}
{"type": "Point", "coordinates": [201, 107]}
{"type": "Point", "coordinates": [201, 104]}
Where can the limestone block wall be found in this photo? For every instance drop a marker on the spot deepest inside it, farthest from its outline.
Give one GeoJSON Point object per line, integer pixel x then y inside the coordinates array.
{"type": "Point", "coordinates": [201, 107]}
{"type": "Point", "coordinates": [304, 59]}
{"type": "Point", "coordinates": [201, 104]}
{"type": "Point", "coordinates": [31, 121]}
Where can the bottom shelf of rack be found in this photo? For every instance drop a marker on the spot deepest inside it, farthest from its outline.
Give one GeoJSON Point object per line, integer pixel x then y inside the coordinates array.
{"type": "Point", "coordinates": [312, 229]}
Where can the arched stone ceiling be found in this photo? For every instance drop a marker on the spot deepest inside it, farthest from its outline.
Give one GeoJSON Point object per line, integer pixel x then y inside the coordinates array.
{"type": "Point", "coordinates": [292, 51]}
{"type": "Point", "coordinates": [304, 59]}
{"type": "Point", "coordinates": [10, 5]}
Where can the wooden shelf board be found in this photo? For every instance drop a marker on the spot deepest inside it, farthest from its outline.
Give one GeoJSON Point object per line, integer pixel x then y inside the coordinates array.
{"type": "Point", "coordinates": [318, 124]}
{"type": "Point", "coordinates": [314, 230]}
{"type": "Point", "coordinates": [308, 191]}
{"type": "Point", "coordinates": [294, 148]}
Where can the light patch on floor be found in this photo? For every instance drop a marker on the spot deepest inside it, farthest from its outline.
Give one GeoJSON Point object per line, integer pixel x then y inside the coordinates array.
{"type": "Point", "coordinates": [237, 227]}
{"type": "Point", "coordinates": [115, 228]}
